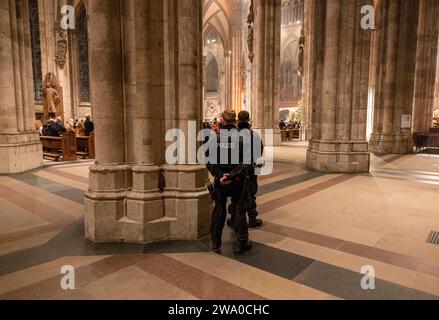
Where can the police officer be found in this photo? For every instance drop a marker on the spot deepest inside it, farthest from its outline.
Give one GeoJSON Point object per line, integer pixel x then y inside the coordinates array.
{"type": "Point", "coordinates": [250, 205]}
{"type": "Point", "coordinates": [229, 182]}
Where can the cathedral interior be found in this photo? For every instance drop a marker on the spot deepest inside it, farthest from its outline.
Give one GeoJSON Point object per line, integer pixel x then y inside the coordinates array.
{"type": "Point", "coordinates": [345, 93]}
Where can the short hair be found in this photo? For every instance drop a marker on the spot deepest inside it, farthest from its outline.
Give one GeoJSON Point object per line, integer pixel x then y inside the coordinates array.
{"type": "Point", "coordinates": [52, 115]}
{"type": "Point", "coordinates": [229, 116]}
{"type": "Point", "coordinates": [244, 116]}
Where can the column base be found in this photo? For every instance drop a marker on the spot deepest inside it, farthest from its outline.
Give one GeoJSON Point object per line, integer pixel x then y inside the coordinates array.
{"type": "Point", "coordinates": [338, 156]}
{"type": "Point", "coordinates": [306, 134]}
{"type": "Point", "coordinates": [105, 202]}
{"type": "Point", "coordinates": [20, 152]}
{"type": "Point", "coordinates": [188, 201]}
{"type": "Point", "coordinates": [164, 203]}
{"type": "Point", "coordinates": [390, 143]}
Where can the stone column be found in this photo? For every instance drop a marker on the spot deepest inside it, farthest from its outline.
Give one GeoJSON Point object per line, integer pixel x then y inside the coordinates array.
{"type": "Point", "coordinates": [338, 142]}
{"type": "Point", "coordinates": [20, 148]}
{"type": "Point", "coordinates": [436, 87]}
{"type": "Point", "coordinates": [266, 66]}
{"type": "Point", "coordinates": [425, 74]}
{"type": "Point", "coordinates": [153, 84]}
{"type": "Point", "coordinates": [228, 86]}
{"type": "Point", "coordinates": [236, 56]}
{"type": "Point", "coordinates": [105, 199]}
{"type": "Point", "coordinates": [186, 199]}
{"type": "Point", "coordinates": [309, 66]}
{"type": "Point", "coordinates": [397, 22]}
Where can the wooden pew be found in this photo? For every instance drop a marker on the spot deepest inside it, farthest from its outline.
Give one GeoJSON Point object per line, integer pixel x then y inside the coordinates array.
{"type": "Point", "coordinates": [85, 146]}
{"type": "Point", "coordinates": [433, 138]}
{"type": "Point", "coordinates": [57, 148]}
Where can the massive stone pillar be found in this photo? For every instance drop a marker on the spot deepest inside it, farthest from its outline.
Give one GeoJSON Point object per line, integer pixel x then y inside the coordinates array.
{"type": "Point", "coordinates": [397, 23]}
{"type": "Point", "coordinates": [151, 80]}
{"type": "Point", "coordinates": [20, 148]}
{"type": "Point", "coordinates": [105, 199]}
{"type": "Point", "coordinates": [340, 85]}
{"type": "Point", "coordinates": [266, 66]}
{"type": "Point", "coordinates": [236, 59]}
{"type": "Point", "coordinates": [309, 60]}
{"type": "Point", "coordinates": [425, 74]}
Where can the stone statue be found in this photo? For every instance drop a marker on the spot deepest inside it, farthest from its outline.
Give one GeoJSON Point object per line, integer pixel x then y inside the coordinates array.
{"type": "Point", "coordinates": [301, 53]}
{"type": "Point", "coordinates": [250, 35]}
{"type": "Point", "coordinates": [52, 101]}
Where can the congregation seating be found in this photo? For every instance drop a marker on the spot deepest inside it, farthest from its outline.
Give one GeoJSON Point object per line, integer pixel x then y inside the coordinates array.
{"type": "Point", "coordinates": [68, 147]}
{"type": "Point", "coordinates": [288, 135]}
{"type": "Point", "coordinates": [85, 146]}
{"type": "Point", "coordinates": [60, 148]}
{"type": "Point", "coordinates": [424, 140]}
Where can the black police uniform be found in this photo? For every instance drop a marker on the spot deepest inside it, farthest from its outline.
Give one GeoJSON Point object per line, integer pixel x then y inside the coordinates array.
{"type": "Point", "coordinates": [232, 190]}
{"type": "Point", "coordinates": [250, 205]}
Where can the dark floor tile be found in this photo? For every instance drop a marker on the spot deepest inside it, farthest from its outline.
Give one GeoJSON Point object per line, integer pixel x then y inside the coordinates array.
{"type": "Point", "coordinates": [74, 230]}
{"type": "Point", "coordinates": [41, 290]}
{"type": "Point", "coordinates": [118, 262]}
{"type": "Point", "coordinates": [74, 247]}
{"type": "Point", "coordinates": [49, 185]}
{"type": "Point", "coordinates": [97, 249]}
{"type": "Point", "coordinates": [271, 187]}
{"type": "Point", "coordinates": [419, 295]}
{"type": "Point", "coordinates": [269, 259]}
{"type": "Point", "coordinates": [174, 247]}
{"type": "Point", "coordinates": [346, 284]}
{"type": "Point", "coordinates": [74, 195]}
{"type": "Point", "coordinates": [382, 255]}
{"type": "Point", "coordinates": [303, 235]}
{"type": "Point", "coordinates": [27, 258]}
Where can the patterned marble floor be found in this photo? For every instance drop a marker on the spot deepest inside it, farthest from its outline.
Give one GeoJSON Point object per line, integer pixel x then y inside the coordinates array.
{"type": "Point", "coordinates": [319, 231]}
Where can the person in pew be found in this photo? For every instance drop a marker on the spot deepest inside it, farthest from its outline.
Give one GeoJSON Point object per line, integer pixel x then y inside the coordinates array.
{"type": "Point", "coordinates": [53, 128]}
{"type": "Point", "coordinates": [38, 126]}
{"type": "Point", "coordinates": [70, 125]}
{"type": "Point", "coordinates": [80, 129]}
{"type": "Point", "coordinates": [89, 126]}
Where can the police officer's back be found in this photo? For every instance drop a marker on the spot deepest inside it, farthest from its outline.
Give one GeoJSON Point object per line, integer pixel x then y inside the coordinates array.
{"type": "Point", "coordinates": [255, 146]}
{"type": "Point", "coordinates": [227, 171]}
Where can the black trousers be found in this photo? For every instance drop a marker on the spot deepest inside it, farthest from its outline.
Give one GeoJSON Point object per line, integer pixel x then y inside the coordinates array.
{"type": "Point", "coordinates": [219, 215]}
{"type": "Point", "coordinates": [250, 206]}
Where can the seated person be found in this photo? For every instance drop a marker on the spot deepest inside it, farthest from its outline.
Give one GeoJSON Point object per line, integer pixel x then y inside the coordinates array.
{"type": "Point", "coordinates": [89, 126]}
{"type": "Point", "coordinates": [53, 128]}
{"type": "Point", "coordinates": [70, 125]}
{"type": "Point", "coordinates": [80, 130]}
{"type": "Point", "coordinates": [282, 125]}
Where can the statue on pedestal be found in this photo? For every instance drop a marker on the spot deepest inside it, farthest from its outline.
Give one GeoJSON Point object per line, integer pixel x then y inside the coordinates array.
{"type": "Point", "coordinates": [52, 96]}
{"type": "Point", "coordinates": [301, 53]}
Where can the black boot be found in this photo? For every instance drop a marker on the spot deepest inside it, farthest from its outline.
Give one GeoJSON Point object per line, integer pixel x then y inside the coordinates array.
{"type": "Point", "coordinates": [216, 245]}
{"type": "Point", "coordinates": [243, 246]}
{"type": "Point", "coordinates": [254, 223]}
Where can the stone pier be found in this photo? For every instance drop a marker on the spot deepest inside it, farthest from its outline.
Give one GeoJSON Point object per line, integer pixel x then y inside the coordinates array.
{"type": "Point", "coordinates": [146, 79]}
{"type": "Point", "coordinates": [339, 88]}
{"type": "Point", "coordinates": [20, 147]}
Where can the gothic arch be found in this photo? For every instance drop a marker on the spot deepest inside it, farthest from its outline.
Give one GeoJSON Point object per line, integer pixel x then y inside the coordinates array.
{"type": "Point", "coordinates": [212, 74]}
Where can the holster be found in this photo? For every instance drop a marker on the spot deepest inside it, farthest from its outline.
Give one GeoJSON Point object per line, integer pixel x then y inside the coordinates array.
{"type": "Point", "coordinates": [212, 190]}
